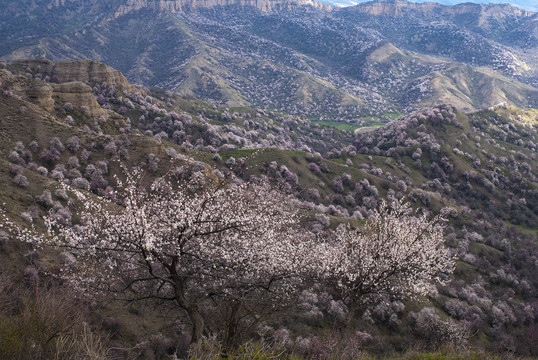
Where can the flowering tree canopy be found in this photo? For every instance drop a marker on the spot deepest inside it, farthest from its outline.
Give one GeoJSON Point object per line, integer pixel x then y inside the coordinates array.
{"type": "Point", "coordinates": [202, 247]}
{"type": "Point", "coordinates": [394, 253]}
{"type": "Point", "coordinates": [172, 244]}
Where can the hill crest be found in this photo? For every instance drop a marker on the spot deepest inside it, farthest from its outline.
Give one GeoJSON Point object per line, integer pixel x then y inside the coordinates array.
{"type": "Point", "coordinates": [400, 7]}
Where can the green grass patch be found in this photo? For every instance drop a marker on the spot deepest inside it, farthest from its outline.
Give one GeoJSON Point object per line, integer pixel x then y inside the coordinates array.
{"type": "Point", "coordinates": [533, 231]}
{"type": "Point", "coordinates": [239, 153]}
{"type": "Point", "coordinates": [392, 116]}
{"type": "Point", "coordinates": [338, 125]}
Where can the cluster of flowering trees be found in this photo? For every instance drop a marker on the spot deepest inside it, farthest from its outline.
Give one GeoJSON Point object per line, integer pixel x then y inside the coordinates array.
{"type": "Point", "coordinates": [232, 246]}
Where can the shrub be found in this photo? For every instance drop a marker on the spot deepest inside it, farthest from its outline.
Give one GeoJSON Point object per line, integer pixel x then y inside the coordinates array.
{"type": "Point", "coordinates": [43, 170]}
{"type": "Point", "coordinates": [111, 148]}
{"type": "Point", "coordinates": [56, 144]}
{"type": "Point", "coordinates": [15, 158]}
{"type": "Point", "coordinates": [153, 163]}
{"type": "Point", "coordinates": [313, 193]}
{"type": "Point", "coordinates": [429, 326]}
{"type": "Point", "coordinates": [73, 144]}
{"type": "Point", "coordinates": [44, 322]}
{"type": "Point", "coordinates": [73, 163]}
{"type": "Point", "coordinates": [314, 168]}
{"type": "Point", "coordinates": [230, 162]}
{"type": "Point", "coordinates": [34, 146]}
{"type": "Point", "coordinates": [57, 175]}
{"type": "Point", "coordinates": [45, 199]}
{"type": "Point", "coordinates": [15, 170]}
{"type": "Point", "coordinates": [81, 183]}
{"type": "Point", "coordinates": [61, 215]}
{"type": "Point", "coordinates": [69, 120]}
{"type": "Point", "coordinates": [21, 181]}
{"type": "Point", "coordinates": [102, 166]}
{"type": "Point", "coordinates": [49, 156]}
{"type": "Point", "coordinates": [61, 194]}
{"type": "Point", "coordinates": [85, 156]}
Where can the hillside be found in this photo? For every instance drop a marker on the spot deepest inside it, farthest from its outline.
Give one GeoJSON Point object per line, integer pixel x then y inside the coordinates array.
{"type": "Point", "coordinates": [74, 122]}
{"type": "Point", "coordinates": [304, 59]}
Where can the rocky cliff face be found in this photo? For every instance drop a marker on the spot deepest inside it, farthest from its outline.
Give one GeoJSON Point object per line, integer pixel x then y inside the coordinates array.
{"type": "Point", "coordinates": [430, 9]}
{"type": "Point", "coordinates": [85, 71]}
{"type": "Point", "coordinates": [79, 95]}
{"type": "Point", "coordinates": [89, 71]}
{"type": "Point", "coordinates": [126, 6]}
{"type": "Point", "coordinates": [182, 5]}
{"type": "Point", "coordinates": [71, 79]}
{"type": "Point", "coordinates": [37, 92]}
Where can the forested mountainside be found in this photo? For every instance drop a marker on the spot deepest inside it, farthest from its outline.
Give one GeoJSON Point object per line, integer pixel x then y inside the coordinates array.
{"type": "Point", "coordinates": [378, 58]}
{"type": "Point", "coordinates": [68, 128]}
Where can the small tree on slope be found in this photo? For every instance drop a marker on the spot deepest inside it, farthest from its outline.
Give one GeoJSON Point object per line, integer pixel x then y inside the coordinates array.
{"type": "Point", "coordinates": [395, 253]}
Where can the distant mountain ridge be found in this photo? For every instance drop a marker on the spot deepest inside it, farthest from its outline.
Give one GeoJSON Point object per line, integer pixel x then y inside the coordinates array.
{"type": "Point", "coordinates": [298, 57]}
{"type": "Point", "coordinates": [125, 6]}
{"type": "Point", "coordinates": [528, 5]}
{"type": "Point", "coordinates": [182, 5]}
{"type": "Point", "coordinates": [400, 7]}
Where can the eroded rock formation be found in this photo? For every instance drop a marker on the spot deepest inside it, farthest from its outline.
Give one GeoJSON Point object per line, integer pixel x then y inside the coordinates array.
{"type": "Point", "coordinates": [71, 82]}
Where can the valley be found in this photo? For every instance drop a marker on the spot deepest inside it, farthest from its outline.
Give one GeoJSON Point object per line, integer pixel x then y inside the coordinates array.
{"type": "Point", "coordinates": [267, 179]}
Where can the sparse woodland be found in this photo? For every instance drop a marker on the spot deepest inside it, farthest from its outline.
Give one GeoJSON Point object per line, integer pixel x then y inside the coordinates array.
{"type": "Point", "coordinates": [140, 223]}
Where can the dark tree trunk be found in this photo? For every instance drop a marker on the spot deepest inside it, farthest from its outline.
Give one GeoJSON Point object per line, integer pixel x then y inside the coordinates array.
{"type": "Point", "coordinates": [191, 307]}
{"type": "Point", "coordinates": [197, 323]}
{"type": "Point", "coordinates": [233, 323]}
{"type": "Point", "coordinates": [350, 315]}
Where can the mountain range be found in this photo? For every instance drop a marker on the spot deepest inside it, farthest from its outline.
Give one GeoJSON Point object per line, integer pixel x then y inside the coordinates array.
{"type": "Point", "coordinates": [338, 108]}
{"type": "Point", "coordinates": [304, 58]}
{"type": "Point", "coordinates": [529, 5]}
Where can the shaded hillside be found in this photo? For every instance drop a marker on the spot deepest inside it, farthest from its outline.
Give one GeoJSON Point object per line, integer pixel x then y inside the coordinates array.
{"type": "Point", "coordinates": [304, 60]}
{"type": "Point", "coordinates": [500, 36]}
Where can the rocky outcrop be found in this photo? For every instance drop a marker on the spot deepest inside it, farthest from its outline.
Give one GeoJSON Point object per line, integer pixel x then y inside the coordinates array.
{"type": "Point", "coordinates": [85, 71]}
{"type": "Point", "coordinates": [430, 9]}
{"type": "Point", "coordinates": [88, 71]}
{"type": "Point", "coordinates": [182, 5]}
{"type": "Point", "coordinates": [79, 95]}
{"type": "Point", "coordinates": [37, 92]}
{"type": "Point", "coordinates": [395, 8]}
{"type": "Point", "coordinates": [71, 86]}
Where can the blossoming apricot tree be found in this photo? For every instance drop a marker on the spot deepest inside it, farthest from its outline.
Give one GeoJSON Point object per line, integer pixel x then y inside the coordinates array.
{"type": "Point", "coordinates": [206, 246]}
{"type": "Point", "coordinates": [173, 245]}
{"type": "Point", "coordinates": [395, 253]}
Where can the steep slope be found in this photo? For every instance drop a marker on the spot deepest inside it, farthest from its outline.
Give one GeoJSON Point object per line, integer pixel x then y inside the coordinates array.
{"type": "Point", "coordinates": [499, 36]}
{"type": "Point", "coordinates": [469, 89]}
{"type": "Point", "coordinates": [319, 62]}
